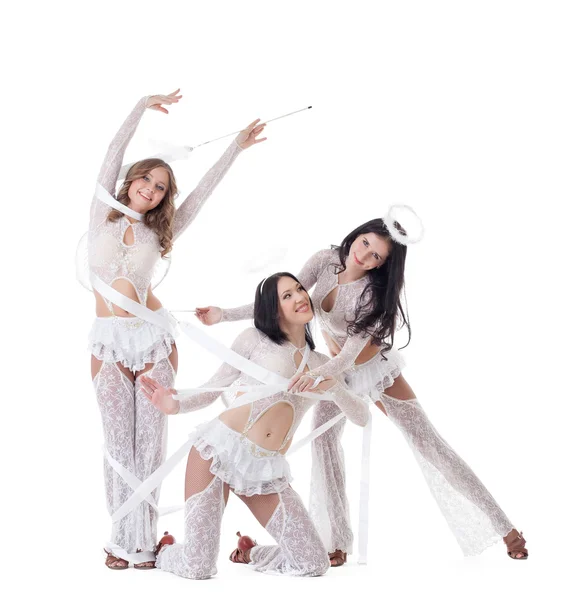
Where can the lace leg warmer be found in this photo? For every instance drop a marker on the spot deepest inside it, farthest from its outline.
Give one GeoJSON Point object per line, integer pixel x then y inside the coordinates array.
{"type": "Point", "coordinates": [300, 550]}
{"type": "Point", "coordinates": [149, 450]}
{"type": "Point", "coordinates": [328, 505]}
{"type": "Point", "coordinates": [115, 395]}
{"type": "Point", "coordinates": [471, 512]}
{"type": "Point", "coordinates": [196, 558]}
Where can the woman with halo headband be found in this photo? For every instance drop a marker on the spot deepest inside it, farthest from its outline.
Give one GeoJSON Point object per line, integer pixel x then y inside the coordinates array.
{"type": "Point", "coordinates": [244, 448]}
{"type": "Point", "coordinates": [124, 245]}
{"type": "Point", "coordinates": [357, 295]}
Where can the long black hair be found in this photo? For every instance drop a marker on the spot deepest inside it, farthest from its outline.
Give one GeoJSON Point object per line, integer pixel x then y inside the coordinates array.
{"type": "Point", "coordinates": [379, 312]}
{"type": "Point", "coordinates": [266, 310]}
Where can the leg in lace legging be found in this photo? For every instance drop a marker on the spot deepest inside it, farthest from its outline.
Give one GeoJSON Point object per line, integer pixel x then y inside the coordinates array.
{"type": "Point", "coordinates": [473, 515]}
{"type": "Point", "coordinates": [471, 512]}
{"type": "Point", "coordinates": [328, 505]}
{"type": "Point", "coordinates": [299, 550]}
{"type": "Point", "coordinates": [134, 435]}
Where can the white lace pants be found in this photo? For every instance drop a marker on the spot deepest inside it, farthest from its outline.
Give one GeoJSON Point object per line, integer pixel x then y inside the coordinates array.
{"type": "Point", "coordinates": [299, 550]}
{"type": "Point", "coordinates": [135, 436]}
{"type": "Point", "coordinates": [471, 512]}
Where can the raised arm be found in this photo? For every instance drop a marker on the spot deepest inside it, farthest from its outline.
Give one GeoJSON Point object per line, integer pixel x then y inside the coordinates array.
{"type": "Point", "coordinates": [162, 398]}
{"type": "Point", "coordinates": [113, 161]}
{"type": "Point", "coordinates": [189, 208]}
{"type": "Point", "coordinates": [210, 315]}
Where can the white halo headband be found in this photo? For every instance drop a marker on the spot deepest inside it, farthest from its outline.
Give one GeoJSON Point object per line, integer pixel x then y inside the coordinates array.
{"type": "Point", "coordinates": [262, 284]}
{"type": "Point", "coordinates": [394, 216]}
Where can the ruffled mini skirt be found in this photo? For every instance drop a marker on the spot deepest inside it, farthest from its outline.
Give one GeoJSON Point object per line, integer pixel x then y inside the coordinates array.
{"type": "Point", "coordinates": [364, 378]}
{"type": "Point", "coordinates": [245, 466]}
{"type": "Point", "coordinates": [130, 340]}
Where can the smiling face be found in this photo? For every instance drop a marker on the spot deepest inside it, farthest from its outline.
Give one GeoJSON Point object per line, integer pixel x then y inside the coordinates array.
{"type": "Point", "coordinates": [149, 190]}
{"type": "Point", "coordinates": [368, 251]}
{"type": "Point", "coordinates": [294, 304]}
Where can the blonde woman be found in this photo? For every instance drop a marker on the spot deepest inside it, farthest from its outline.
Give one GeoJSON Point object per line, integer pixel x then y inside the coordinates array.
{"type": "Point", "coordinates": [124, 247]}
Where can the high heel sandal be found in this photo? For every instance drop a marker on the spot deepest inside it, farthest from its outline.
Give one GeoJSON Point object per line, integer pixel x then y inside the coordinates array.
{"type": "Point", "coordinates": [244, 544]}
{"type": "Point", "coordinates": [166, 540]}
{"type": "Point", "coordinates": [516, 544]}
{"type": "Point", "coordinates": [121, 564]}
{"type": "Point", "coordinates": [339, 557]}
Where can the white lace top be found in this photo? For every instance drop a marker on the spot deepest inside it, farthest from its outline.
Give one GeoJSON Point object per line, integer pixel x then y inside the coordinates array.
{"type": "Point", "coordinates": [257, 347]}
{"type": "Point", "coordinates": [321, 271]}
{"type": "Point", "coordinates": [108, 256]}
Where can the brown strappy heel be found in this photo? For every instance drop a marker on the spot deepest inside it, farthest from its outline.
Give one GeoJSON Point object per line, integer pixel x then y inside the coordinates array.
{"type": "Point", "coordinates": [515, 544]}
{"type": "Point", "coordinates": [111, 559]}
{"type": "Point", "coordinates": [244, 544]}
{"type": "Point", "coordinates": [338, 558]}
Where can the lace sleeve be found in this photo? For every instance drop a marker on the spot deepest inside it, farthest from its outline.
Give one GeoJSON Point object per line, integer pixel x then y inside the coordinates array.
{"type": "Point", "coordinates": [240, 313]}
{"type": "Point", "coordinates": [307, 276]}
{"type": "Point", "coordinates": [311, 270]}
{"type": "Point", "coordinates": [189, 208]}
{"type": "Point", "coordinates": [244, 344]}
{"type": "Point", "coordinates": [354, 407]}
{"type": "Point", "coordinates": [345, 359]}
{"type": "Point", "coordinates": [113, 161]}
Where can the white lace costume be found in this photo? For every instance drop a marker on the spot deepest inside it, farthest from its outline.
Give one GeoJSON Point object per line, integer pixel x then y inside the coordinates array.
{"type": "Point", "coordinates": [471, 512]}
{"type": "Point", "coordinates": [253, 472]}
{"type": "Point", "coordinates": [134, 430]}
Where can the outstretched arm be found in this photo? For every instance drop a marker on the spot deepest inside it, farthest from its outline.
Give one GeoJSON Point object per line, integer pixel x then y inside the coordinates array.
{"type": "Point", "coordinates": [210, 315]}
{"type": "Point", "coordinates": [162, 398]}
{"type": "Point", "coordinates": [191, 206]}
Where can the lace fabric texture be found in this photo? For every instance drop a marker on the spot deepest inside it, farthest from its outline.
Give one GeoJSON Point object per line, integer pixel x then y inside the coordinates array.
{"type": "Point", "coordinates": [130, 341]}
{"type": "Point", "coordinates": [134, 435]}
{"type": "Point", "coordinates": [473, 515]}
{"type": "Point", "coordinates": [470, 510]}
{"type": "Point", "coordinates": [247, 468]}
{"type": "Point", "coordinates": [108, 256]}
{"type": "Point", "coordinates": [328, 503]}
{"type": "Point", "coordinates": [257, 347]}
{"type": "Point", "coordinates": [377, 371]}
{"type": "Point", "coordinates": [320, 271]}
{"type": "Point", "coordinates": [299, 550]}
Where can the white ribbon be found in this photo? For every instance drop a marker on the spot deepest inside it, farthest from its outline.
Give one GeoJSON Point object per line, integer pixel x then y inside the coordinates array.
{"type": "Point", "coordinates": [364, 494]}
{"type": "Point", "coordinates": [131, 306]}
{"type": "Point", "coordinates": [105, 196]}
{"type": "Point", "coordinates": [273, 384]}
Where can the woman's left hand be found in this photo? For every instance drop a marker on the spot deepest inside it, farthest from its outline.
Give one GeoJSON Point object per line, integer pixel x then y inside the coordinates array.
{"type": "Point", "coordinates": [248, 136]}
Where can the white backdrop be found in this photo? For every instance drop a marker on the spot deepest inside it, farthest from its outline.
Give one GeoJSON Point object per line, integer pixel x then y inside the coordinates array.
{"type": "Point", "coordinates": [460, 109]}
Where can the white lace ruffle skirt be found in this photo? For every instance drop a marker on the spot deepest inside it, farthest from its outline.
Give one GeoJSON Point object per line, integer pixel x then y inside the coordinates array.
{"type": "Point", "coordinates": [130, 340]}
{"type": "Point", "coordinates": [364, 378]}
{"type": "Point", "coordinates": [245, 466]}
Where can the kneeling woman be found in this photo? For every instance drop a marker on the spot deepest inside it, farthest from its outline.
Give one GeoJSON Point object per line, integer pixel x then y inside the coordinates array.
{"type": "Point", "coordinates": [243, 449]}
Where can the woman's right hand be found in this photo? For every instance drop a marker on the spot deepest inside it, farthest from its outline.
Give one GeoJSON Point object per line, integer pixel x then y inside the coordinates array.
{"type": "Point", "coordinates": [155, 102]}
{"type": "Point", "coordinates": [160, 397]}
{"type": "Point", "coordinates": [209, 315]}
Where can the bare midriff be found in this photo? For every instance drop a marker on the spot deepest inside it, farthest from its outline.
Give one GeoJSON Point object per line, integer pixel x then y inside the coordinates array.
{"type": "Point", "coordinates": [268, 431]}
{"type": "Point", "coordinates": [365, 355]}
{"type": "Point", "coordinates": [127, 289]}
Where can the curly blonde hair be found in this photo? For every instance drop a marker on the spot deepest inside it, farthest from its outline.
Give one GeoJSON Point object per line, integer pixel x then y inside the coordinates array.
{"type": "Point", "coordinates": [159, 219]}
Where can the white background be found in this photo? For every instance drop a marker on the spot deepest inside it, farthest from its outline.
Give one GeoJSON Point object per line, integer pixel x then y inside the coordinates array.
{"type": "Point", "coordinates": [460, 109]}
